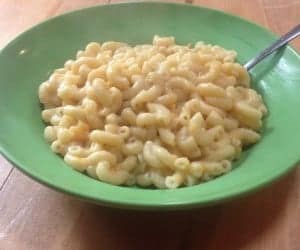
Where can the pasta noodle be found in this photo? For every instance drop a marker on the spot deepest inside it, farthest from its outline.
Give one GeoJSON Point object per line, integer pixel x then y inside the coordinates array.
{"type": "Point", "coordinates": [163, 114]}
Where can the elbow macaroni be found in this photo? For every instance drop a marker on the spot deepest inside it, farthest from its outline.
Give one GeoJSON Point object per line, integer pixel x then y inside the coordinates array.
{"type": "Point", "coordinates": [161, 114]}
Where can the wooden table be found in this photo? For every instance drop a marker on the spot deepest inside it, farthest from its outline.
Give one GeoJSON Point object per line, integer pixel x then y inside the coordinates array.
{"type": "Point", "coordinates": [33, 217]}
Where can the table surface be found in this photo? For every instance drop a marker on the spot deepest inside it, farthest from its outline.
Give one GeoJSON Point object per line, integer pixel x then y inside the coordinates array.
{"type": "Point", "coordinates": [33, 217]}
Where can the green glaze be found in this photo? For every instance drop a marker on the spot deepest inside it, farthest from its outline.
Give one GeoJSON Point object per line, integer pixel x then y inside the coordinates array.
{"type": "Point", "coordinates": [29, 59]}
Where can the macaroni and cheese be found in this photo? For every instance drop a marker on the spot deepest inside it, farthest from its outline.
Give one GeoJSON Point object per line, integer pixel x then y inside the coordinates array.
{"type": "Point", "coordinates": [163, 114]}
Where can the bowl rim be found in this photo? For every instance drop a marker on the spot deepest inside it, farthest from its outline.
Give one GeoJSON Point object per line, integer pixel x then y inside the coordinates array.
{"type": "Point", "coordinates": [111, 202]}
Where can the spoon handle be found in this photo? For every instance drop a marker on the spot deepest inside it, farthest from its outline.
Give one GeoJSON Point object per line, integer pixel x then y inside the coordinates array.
{"type": "Point", "coordinates": [293, 33]}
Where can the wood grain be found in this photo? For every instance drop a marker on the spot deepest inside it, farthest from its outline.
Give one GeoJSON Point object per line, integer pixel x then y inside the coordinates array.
{"type": "Point", "coordinates": [33, 217]}
{"type": "Point", "coordinates": [5, 170]}
{"type": "Point", "coordinates": [283, 15]}
{"type": "Point", "coordinates": [240, 8]}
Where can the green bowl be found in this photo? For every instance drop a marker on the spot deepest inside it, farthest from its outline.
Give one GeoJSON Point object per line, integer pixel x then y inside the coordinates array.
{"type": "Point", "coordinates": [29, 59]}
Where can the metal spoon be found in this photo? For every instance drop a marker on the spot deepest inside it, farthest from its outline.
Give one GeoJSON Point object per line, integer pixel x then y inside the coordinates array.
{"type": "Point", "coordinates": [282, 41]}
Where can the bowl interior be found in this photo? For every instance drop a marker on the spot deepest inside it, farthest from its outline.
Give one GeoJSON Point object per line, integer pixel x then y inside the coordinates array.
{"type": "Point", "coordinates": [31, 57]}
